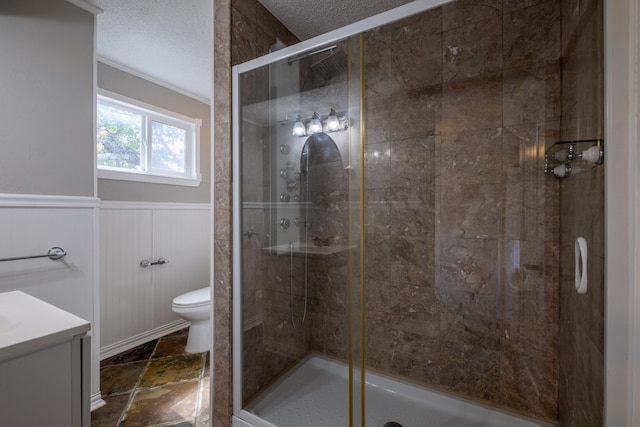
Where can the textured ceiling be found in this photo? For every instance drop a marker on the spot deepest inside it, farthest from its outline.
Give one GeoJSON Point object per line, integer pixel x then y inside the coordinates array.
{"type": "Point", "coordinates": [170, 40]}
{"type": "Point", "coordinates": [310, 18]}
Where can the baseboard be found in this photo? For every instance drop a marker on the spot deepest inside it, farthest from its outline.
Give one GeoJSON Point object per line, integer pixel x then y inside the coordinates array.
{"type": "Point", "coordinates": [136, 340]}
{"type": "Point", "coordinates": [97, 401]}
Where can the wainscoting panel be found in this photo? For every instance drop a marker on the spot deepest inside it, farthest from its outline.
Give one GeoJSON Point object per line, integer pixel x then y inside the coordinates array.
{"type": "Point", "coordinates": [135, 302]}
{"type": "Point", "coordinates": [125, 287]}
{"type": "Point", "coordinates": [31, 224]}
{"type": "Point", "coordinates": [182, 237]}
{"type": "Point", "coordinates": [66, 283]}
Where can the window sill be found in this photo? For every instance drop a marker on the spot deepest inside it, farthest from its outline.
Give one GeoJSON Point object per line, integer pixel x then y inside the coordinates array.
{"type": "Point", "coordinates": [148, 178]}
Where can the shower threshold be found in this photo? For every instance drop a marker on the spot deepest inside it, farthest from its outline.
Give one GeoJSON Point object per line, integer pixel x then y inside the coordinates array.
{"type": "Point", "coordinates": [315, 393]}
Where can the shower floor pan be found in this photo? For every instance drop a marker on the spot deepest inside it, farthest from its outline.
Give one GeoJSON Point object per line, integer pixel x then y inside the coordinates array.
{"type": "Point", "coordinates": [315, 394]}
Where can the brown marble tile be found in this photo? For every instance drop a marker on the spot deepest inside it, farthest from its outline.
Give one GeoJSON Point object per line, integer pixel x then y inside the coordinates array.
{"type": "Point", "coordinates": [528, 382]}
{"type": "Point", "coordinates": [403, 306]}
{"type": "Point", "coordinates": [472, 50]}
{"type": "Point", "coordinates": [523, 148]}
{"type": "Point", "coordinates": [165, 404]}
{"type": "Point", "coordinates": [377, 256]}
{"type": "Point", "coordinates": [137, 354]}
{"type": "Point", "coordinates": [377, 159]}
{"type": "Point", "coordinates": [473, 103]}
{"type": "Point", "coordinates": [402, 353]}
{"type": "Point", "coordinates": [222, 208]}
{"type": "Point", "coordinates": [532, 94]}
{"type": "Point", "coordinates": [109, 415]}
{"type": "Point", "coordinates": [470, 157]}
{"type": "Point", "coordinates": [516, 270]}
{"type": "Point", "coordinates": [170, 345]}
{"type": "Point", "coordinates": [511, 5]}
{"type": "Point", "coordinates": [172, 369]}
{"type": "Point", "coordinates": [416, 114]}
{"type": "Point", "coordinates": [470, 265]}
{"type": "Point", "coordinates": [222, 98]}
{"type": "Point", "coordinates": [464, 12]}
{"type": "Point", "coordinates": [470, 211]}
{"type": "Point", "coordinates": [429, 22]}
{"type": "Point", "coordinates": [222, 273]}
{"type": "Point", "coordinates": [378, 120]}
{"type": "Point", "coordinates": [120, 378]}
{"type": "Point", "coordinates": [532, 35]}
{"type": "Point", "coordinates": [246, 7]}
{"type": "Point", "coordinates": [412, 161]}
{"type": "Point", "coordinates": [264, 45]}
{"type": "Point", "coordinates": [378, 211]}
{"type": "Point", "coordinates": [254, 87]}
{"type": "Point", "coordinates": [470, 318]}
{"type": "Point", "coordinates": [412, 210]}
{"type": "Point", "coordinates": [469, 368]}
{"type": "Point", "coordinates": [411, 260]}
{"type": "Point", "coordinates": [416, 63]}
{"type": "Point", "coordinates": [243, 34]}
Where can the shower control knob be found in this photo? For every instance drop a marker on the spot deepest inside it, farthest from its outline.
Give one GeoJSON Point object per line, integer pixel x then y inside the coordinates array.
{"type": "Point", "coordinates": [284, 197]}
{"type": "Point", "coordinates": [285, 223]}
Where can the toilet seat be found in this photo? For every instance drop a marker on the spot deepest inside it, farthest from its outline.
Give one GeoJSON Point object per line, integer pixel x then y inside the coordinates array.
{"type": "Point", "coordinates": [198, 298]}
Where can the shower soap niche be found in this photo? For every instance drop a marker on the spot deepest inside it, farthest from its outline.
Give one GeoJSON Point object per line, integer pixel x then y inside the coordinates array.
{"type": "Point", "coordinates": [309, 249]}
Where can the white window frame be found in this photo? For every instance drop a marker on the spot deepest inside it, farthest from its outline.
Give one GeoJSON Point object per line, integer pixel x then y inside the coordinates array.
{"type": "Point", "coordinates": [192, 176]}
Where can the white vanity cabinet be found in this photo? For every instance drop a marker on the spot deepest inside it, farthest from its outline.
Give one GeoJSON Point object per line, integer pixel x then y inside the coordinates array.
{"type": "Point", "coordinates": [44, 364]}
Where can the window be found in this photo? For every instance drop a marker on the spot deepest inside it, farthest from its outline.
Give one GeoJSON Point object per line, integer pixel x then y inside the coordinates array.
{"type": "Point", "coordinates": [140, 142]}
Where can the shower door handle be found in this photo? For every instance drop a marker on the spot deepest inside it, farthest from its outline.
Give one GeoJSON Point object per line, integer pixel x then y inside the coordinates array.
{"type": "Point", "coordinates": [581, 265]}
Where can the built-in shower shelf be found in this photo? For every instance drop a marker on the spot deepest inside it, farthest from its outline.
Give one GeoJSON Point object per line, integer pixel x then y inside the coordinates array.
{"type": "Point", "coordinates": [302, 249]}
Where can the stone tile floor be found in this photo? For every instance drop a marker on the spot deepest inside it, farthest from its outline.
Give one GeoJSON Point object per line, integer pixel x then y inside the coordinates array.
{"type": "Point", "coordinates": [155, 384]}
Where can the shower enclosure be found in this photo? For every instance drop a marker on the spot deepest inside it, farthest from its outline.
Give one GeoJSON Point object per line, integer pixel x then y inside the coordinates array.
{"type": "Point", "coordinates": [398, 248]}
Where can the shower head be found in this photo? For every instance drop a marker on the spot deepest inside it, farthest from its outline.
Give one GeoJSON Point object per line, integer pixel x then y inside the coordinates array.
{"type": "Point", "coordinates": [332, 65]}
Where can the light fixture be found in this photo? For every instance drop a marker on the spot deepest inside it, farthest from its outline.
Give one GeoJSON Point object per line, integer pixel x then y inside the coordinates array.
{"type": "Point", "coordinates": [333, 123]}
{"type": "Point", "coordinates": [315, 125]}
{"type": "Point", "coordinates": [298, 127]}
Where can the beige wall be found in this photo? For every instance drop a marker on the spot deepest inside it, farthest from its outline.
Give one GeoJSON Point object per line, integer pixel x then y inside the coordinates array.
{"type": "Point", "coordinates": [46, 100]}
{"type": "Point", "coordinates": [123, 83]}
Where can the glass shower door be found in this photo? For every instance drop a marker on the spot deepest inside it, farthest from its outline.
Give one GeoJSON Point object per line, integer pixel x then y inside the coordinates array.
{"type": "Point", "coordinates": [299, 259]}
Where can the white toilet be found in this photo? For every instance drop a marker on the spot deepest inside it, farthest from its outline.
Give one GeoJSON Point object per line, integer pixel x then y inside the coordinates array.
{"type": "Point", "coordinates": [195, 306]}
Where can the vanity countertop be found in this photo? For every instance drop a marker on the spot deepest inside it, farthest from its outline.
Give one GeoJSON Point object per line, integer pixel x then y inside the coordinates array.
{"type": "Point", "coordinates": [28, 324]}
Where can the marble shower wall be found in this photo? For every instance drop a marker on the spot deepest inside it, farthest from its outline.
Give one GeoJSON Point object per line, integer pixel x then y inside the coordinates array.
{"type": "Point", "coordinates": [581, 394]}
{"type": "Point", "coordinates": [462, 240]}
{"type": "Point", "coordinates": [244, 30]}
